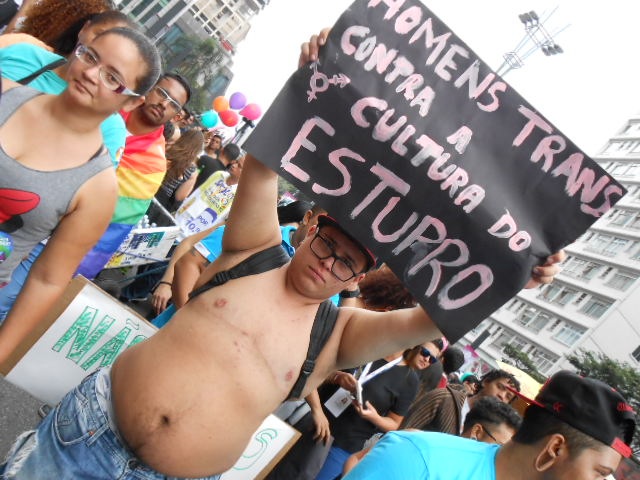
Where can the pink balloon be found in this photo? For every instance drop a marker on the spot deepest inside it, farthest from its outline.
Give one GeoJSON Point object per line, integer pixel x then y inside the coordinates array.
{"type": "Point", "coordinates": [237, 101]}
{"type": "Point", "coordinates": [251, 111]}
{"type": "Point", "coordinates": [229, 118]}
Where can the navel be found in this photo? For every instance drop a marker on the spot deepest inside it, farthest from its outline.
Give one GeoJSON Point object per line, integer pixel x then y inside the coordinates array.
{"type": "Point", "coordinates": [220, 302]}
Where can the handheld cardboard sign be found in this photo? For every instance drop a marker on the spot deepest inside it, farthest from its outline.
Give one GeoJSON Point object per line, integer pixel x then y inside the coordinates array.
{"type": "Point", "coordinates": [431, 159]}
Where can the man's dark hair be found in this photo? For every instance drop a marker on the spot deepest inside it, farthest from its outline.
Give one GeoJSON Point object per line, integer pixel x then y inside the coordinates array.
{"type": "Point", "coordinates": [68, 40]}
{"type": "Point", "coordinates": [491, 411]}
{"type": "Point", "coordinates": [317, 209]}
{"type": "Point", "coordinates": [438, 343]}
{"type": "Point", "coordinates": [498, 373]}
{"type": "Point", "coordinates": [182, 81]}
{"type": "Point", "coordinates": [539, 423]}
{"type": "Point", "coordinates": [114, 16]}
{"type": "Point", "coordinates": [169, 130]}
{"type": "Point", "coordinates": [231, 151]}
{"type": "Point", "coordinates": [147, 51]}
{"type": "Point", "coordinates": [293, 212]}
{"type": "Point", "coordinates": [452, 359]}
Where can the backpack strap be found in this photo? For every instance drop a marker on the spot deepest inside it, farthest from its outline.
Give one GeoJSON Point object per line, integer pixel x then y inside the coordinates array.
{"type": "Point", "coordinates": [323, 324]}
{"type": "Point", "coordinates": [51, 66]}
{"type": "Point", "coordinates": [263, 261]}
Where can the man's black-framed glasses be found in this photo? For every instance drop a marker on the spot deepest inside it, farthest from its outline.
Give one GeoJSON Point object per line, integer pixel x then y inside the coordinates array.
{"type": "Point", "coordinates": [174, 105]}
{"type": "Point", "coordinates": [486, 430]}
{"type": "Point", "coordinates": [109, 79]}
{"type": "Point", "coordinates": [424, 351]}
{"type": "Point", "coordinates": [341, 267]}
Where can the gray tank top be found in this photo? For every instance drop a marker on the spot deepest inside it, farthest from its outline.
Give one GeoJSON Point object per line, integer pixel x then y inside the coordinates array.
{"type": "Point", "coordinates": [32, 202]}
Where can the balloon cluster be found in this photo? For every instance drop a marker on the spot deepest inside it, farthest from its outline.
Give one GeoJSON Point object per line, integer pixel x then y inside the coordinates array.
{"type": "Point", "coordinates": [229, 111]}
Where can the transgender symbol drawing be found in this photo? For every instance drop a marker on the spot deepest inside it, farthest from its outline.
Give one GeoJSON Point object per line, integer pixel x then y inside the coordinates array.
{"type": "Point", "coordinates": [319, 82]}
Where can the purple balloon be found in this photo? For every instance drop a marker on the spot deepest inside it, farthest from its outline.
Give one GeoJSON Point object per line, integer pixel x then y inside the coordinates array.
{"type": "Point", "coordinates": [251, 112]}
{"type": "Point", "coordinates": [237, 101]}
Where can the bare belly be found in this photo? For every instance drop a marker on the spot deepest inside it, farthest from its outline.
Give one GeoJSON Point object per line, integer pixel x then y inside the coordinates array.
{"type": "Point", "coordinates": [188, 399]}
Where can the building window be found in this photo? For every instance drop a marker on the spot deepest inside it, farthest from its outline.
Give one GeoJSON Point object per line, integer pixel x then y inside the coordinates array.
{"type": "Point", "coordinates": [616, 245]}
{"type": "Point", "coordinates": [501, 341]}
{"type": "Point", "coordinates": [580, 298]}
{"type": "Point", "coordinates": [595, 307]}
{"type": "Point", "coordinates": [533, 320]}
{"type": "Point", "coordinates": [636, 354]}
{"type": "Point", "coordinates": [606, 272]}
{"type": "Point", "coordinates": [543, 361]}
{"type": "Point", "coordinates": [579, 268]}
{"type": "Point", "coordinates": [607, 245]}
{"type": "Point", "coordinates": [554, 325]}
{"type": "Point", "coordinates": [621, 218]}
{"type": "Point", "coordinates": [558, 293]}
{"type": "Point", "coordinates": [621, 280]}
{"type": "Point", "coordinates": [569, 334]}
{"type": "Point", "coordinates": [599, 242]}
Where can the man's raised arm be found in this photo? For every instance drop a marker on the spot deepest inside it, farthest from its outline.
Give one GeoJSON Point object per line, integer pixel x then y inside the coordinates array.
{"type": "Point", "coordinates": [370, 335]}
{"type": "Point", "coordinates": [253, 220]}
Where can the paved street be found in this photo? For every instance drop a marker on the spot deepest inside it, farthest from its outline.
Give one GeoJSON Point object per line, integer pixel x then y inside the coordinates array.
{"type": "Point", "coordinates": [18, 412]}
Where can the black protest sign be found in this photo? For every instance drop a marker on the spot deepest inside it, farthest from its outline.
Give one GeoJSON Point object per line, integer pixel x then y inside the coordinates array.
{"type": "Point", "coordinates": [423, 153]}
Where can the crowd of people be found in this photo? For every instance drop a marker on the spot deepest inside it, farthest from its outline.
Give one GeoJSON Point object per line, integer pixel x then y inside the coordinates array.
{"type": "Point", "coordinates": [276, 309]}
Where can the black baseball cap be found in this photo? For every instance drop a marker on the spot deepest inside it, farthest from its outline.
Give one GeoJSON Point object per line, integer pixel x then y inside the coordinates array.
{"type": "Point", "coordinates": [590, 406]}
{"type": "Point", "coordinates": [326, 220]}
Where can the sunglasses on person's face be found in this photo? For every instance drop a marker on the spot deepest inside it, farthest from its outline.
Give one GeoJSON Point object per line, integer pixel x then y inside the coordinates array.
{"type": "Point", "coordinates": [427, 354]}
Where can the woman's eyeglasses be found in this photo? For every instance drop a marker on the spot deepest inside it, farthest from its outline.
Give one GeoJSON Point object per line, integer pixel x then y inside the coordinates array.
{"type": "Point", "coordinates": [109, 79]}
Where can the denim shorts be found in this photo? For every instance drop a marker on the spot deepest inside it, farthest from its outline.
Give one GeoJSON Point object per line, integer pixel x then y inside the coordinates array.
{"type": "Point", "coordinates": [78, 440]}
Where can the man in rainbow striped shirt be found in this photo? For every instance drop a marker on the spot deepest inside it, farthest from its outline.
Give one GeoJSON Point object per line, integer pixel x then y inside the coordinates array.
{"type": "Point", "coordinates": [142, 167]}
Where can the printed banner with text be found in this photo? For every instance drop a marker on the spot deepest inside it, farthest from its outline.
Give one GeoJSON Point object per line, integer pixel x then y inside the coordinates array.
{"type": "Point", "coordinates": [426, 155]}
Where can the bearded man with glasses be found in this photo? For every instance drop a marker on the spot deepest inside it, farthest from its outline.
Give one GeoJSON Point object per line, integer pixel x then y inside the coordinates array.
{"type": "Point", "coordinates": [143, 164]}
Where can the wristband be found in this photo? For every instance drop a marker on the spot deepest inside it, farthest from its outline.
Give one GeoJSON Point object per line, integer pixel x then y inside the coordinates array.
{"type": "Point", "coordinates": [161, 282]}
{"type": "Point", "coordinates": [350, 293]}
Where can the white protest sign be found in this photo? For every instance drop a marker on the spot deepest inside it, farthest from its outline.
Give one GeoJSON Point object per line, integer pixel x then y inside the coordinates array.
{"type": "Point", "coordinates": [144, 245]}
{"type": "Point", "coordinates": [207, 206]}
{"type": "Point", "coordinates": [90, 332]}
{"type": "Point", "coordinates": [268, 445]}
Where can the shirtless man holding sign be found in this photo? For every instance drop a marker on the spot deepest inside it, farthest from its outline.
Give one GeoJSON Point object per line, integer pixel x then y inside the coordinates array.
{"type": "Point", "coordinates": [185, 402]}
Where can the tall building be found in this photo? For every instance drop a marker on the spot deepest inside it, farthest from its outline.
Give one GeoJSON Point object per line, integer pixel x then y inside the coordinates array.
{"type": "Point", "coordinates": [228, 21]}
{"type": "Point", "coordinates": [594, 303]}
{"type": "Point", "coordinates": [170, 22]}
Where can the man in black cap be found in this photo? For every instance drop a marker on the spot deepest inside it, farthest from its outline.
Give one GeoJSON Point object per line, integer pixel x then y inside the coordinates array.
{"type": "Point", "coordinates": [575, 428]}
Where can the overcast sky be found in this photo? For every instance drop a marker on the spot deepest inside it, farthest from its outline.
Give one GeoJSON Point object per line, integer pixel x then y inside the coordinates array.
{"type": "Point", "coordinates": [587, 92]}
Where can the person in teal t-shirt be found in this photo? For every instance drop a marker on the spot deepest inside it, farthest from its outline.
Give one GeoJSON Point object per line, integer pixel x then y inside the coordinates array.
{"type": "Point", "coordinates": [575, 428]}
{"type": "Point", "coordinates": [404, 455]}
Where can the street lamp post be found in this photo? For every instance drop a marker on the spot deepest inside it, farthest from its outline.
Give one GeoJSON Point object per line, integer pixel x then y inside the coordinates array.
{"type": "Point", "coordinates": [536, 38]}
